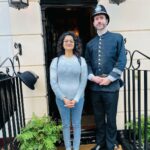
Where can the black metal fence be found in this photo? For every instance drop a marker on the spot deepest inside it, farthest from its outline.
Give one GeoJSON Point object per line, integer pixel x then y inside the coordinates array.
{"type": "Point", "coordinates": [136, 99]}
{"type": "Point", "coordinates": [12, 117]}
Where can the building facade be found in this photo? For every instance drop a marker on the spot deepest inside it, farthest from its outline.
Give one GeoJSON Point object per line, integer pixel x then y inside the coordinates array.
{"type": "Point", "coordinates": [28, 27]}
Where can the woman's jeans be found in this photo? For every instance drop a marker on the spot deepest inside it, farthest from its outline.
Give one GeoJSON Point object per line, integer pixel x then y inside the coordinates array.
{"type": "Point", "coordinates": [68, 115]}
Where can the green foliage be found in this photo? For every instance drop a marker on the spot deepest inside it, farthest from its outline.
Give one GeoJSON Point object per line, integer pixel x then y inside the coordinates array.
{"type": "Point", "coordinates": [39, 134]}
{"type": "Point", "coordinates": [130, 124]}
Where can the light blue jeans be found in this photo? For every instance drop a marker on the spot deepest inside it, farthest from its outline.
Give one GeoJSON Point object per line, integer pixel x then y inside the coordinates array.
{"type": "Point", "coordinates": [68, 115]}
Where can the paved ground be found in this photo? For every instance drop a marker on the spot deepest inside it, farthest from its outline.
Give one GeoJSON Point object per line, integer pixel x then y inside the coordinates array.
{"type": "Point", "coordinates": [85, 147]}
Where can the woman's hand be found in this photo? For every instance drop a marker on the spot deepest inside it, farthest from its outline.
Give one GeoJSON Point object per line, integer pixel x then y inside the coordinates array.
{"type": "Point", "coordinates": [68, 103]}
{"type": "Point", "coordinates": [73, 102]}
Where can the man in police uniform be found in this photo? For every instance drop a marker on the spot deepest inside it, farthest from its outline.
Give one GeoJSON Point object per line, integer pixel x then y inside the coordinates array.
{"type": "Point", "coordinates": [106, 59]}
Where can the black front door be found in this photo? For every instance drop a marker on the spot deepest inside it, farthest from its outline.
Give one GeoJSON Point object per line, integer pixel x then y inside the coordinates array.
{"type": "Point", "coordinates": [58, 20]}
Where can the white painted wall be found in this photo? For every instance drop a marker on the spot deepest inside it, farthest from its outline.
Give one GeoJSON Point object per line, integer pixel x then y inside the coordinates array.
{"type": "Point", "coordinates": [5, 29]}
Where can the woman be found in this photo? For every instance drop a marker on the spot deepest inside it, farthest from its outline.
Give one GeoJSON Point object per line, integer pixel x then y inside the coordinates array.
{"type": "Point", "coordinates": [68, 77]}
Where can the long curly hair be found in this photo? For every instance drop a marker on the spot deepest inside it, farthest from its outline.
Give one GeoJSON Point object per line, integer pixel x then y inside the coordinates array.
{"type": "Point", "coordinates": [77, 44]}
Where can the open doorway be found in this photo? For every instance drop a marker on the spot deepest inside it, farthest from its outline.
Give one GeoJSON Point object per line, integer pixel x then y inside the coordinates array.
{"type": "Point", "coordinates": [59, 20]}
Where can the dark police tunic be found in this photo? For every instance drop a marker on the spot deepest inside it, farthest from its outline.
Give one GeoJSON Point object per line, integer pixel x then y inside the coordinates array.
{"type": "Point", "coordinates": [105, 55]}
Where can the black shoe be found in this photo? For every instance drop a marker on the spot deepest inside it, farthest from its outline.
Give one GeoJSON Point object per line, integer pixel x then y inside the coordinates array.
{"type": "Point", "coordinates": [97, 147]}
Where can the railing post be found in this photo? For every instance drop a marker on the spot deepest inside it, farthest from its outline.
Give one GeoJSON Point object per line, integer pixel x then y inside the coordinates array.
{"type": "Point", "coordinates": [139, 109]}
{"type": "Point", "coordinates": [134, 109]}
{"type": "Point", "coordinates": [145, 112]}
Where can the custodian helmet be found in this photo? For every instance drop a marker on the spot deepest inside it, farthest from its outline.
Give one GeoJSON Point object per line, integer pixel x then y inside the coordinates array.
{"type": "Point", "coordinates": [100, 9]}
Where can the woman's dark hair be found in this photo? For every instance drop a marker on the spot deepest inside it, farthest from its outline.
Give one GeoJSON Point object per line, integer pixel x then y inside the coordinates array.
{"type": "Point", "coordinates": [77, 44]}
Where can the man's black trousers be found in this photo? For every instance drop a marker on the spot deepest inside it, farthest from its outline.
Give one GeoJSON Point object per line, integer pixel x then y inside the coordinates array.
{"type": "Point", "coordinates": [105, 110]}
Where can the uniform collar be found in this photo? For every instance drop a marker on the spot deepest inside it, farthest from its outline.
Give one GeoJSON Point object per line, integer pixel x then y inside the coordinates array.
{"type": "Point", "coordinates": [102, 32]}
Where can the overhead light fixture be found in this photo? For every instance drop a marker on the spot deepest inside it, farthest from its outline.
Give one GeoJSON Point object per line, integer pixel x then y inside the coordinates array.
{"type": "Point", "coordinates": [19, 3]}
{"type": "Point", "coordinates": [116, 1]}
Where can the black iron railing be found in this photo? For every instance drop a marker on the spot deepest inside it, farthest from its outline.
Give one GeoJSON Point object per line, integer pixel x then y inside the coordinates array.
{"type": "Point", "coordinates": [12, 117]}
{"type": "Point", "coordinates": [136, 102]}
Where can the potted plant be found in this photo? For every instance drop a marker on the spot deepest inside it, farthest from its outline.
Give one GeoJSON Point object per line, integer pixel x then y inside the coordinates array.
{"type": "Point", "coordinates": [39, 134]}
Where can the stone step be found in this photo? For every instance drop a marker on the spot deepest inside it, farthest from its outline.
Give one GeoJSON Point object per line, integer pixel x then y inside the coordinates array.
{"type": "Point", "coordinates": [86, 147]}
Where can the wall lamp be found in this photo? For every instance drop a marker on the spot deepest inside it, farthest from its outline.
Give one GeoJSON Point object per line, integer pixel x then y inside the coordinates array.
{"type": "Point", "coordinates": [19, 4]}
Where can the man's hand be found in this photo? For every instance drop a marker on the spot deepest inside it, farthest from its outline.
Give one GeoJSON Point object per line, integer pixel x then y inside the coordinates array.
{"type": "Point", "coordinates": [105, 81]}
{"type": "Point", "coordinates": [96, 79]}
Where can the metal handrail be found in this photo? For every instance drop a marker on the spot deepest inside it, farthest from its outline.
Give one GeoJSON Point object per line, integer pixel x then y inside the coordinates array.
{"type": "Point", "coordinates": [12, 60]}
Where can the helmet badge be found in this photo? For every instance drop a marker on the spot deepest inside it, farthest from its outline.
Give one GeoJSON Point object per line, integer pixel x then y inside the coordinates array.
{"type": "Point", "coordinates": [98, 8]}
